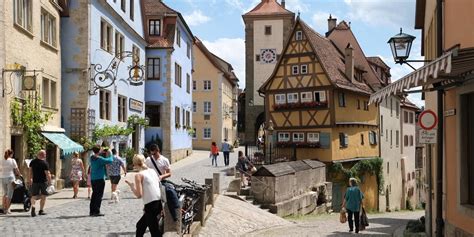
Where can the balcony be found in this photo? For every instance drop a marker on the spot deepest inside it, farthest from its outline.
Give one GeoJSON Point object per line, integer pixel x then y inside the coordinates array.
{"type": "Point", "coordinates": [301, 105]}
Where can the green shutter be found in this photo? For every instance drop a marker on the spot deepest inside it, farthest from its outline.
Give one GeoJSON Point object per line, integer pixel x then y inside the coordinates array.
{"type": "Point", "coordinates": [325, 140]}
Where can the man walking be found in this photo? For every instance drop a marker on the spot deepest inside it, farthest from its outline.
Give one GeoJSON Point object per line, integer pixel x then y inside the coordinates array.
{"type": "Point", "coordinates": [226, 150]}
{"type": "Point", "coordinates": [40, 179]}
{"type": "Point", "coordinates": [352, 202]}
{"type": "Point", "coordinates": [113, 170]}
{"type": "Point", "coordinates": [97, 169]}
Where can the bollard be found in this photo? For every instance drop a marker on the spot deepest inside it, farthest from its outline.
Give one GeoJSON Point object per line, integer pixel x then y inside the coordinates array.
{"type": "Point", "coordinates": [216, 180]}
{"type": "Point", "coordinates": [169, 224]}
{"type": "Point", "coordinates": [201, 214]}
{"type": "Point", "coordinates": [209, 192]}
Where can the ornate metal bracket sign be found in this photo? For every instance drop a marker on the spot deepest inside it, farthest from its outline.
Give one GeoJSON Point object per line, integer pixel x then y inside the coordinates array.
{"type": "Point", "coordinates": [105, 77]}
{"type": "Point", "coordinates": [27, 79]}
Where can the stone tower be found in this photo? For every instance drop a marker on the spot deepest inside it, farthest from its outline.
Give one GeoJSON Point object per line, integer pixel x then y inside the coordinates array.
{"type": "Point", "coordinates": [267, 27]}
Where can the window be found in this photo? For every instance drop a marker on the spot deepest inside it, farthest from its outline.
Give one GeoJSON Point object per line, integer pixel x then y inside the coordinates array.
{"type": "Point", "coordinates": [391, 107]}
{"type": "Point", "coordinates": [280, 99]}
{"type": "Point", "coordinates": [411, 140]}
{"type": "Point", "coordinates": [184, 117]}
{"type": "Point", "coordinates": [397, 137]}
{"type": "Point", "coordinates": [154, 27]}
{"type": "Point", "coordinates": [299, 35]}
{"type": "Point", "coordinates": [132, 10]}
{"type": "Point", "coordinates": [257, 57]}
{"type": "Point", "coordinates": [106, 37]}
{"type": "Point", "coordinates": [177, 74]}
{"type": "Point", "coordinates": [152, 112]}
{"type": "Point", "coordinates": [388, 167]}
{"type": "Point", "coordinates": [306, 96]}
{"type": "Point", "coordinates": [194, 85]}
{"type": "Point", "coordinates": [391, 138]}
{"type": "Point", "coordinates": [397, 108]}
{"type": "Point", "coordinates": [358, 104]}
{"type": "Point", "coordinates": [177, 114]}
{"type": "Point", "coordinates": [304, 69]}
{"type": "Point", "coordinates": [123, 5]}
{"type": "Point", "coordinates": [23, 13]}
{"type": "Point", "coordinates": [386, 133]}
{"type": "Point", "coordinates": [194, 106]}
{"type": "Point", "coordinates": [207, 107]}
{"type": "Point", "coordinates": [343, 140]}
{"type": "Point", "coordinates": [411, 118]}
{"type": "Point", "coordinates": [153, 69]}
{"type": "Point", "coordinates": [194, 133]}
{"type": "Point", "coordinates": [48, 28]}
{"type": "Point", "coordinates": [405, 116]}
{"type": "Point", "coordinates": [294, 70]}
{"type": "Point", "coordinates": [119, 44]}
{"type": "Point", "coordinates": [48, 94]}
{"type": "Point", "coordinates": [362, 139]}
{"type": "Point", "coordinates": [372, 138]}
{"type": "Point", "coordinates": [320, 96]}
{"type": "Point", "coordinates": [283, 137]}
{"type": "Point", "coordinates": [292, 97]}
{"type": "Point", "coordinates": [136, 53]}
{"type": "Point", "coordinates": [313, 137]}
{"type": "Point", "coordinates": [188, 83]}
{"type": "Point", "coordinates": [298, 137]}
{"type": "Point", "coordinates": [207, 85]}
{"type": "Point", "coordinates": [381, 125]}
{"type": "Point", "coordinates": [188, 49]}
{"type": "Point", "coordinates": [342, 99]}
{"type": "Point", "coordinates": [122, 108]}
{"type": "Point", "coordinates": [268, 30]}
{"type": "Point", "coordinates": [178, 37]}
{"type": "Point", "coordinates": [467, 149]}
{"type": "Point", "coordinates": [366, 105]}
{"type": "Point", "coordinates": [207, 133]}
{"type": "Point", "coordinates": [104, 104]}
{"type": "Point", "coordinates": [405, 140]}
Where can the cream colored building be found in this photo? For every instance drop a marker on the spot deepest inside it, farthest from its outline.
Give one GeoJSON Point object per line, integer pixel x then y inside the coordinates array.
{"type": "Point", "coordinates": [214, 99]}
{"type": "Point", "coordinates": [31, 51]}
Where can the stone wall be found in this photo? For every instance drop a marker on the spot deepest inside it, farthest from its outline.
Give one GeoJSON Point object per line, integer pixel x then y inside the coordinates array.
{"type": "Point", "coordinates": [179, 154]}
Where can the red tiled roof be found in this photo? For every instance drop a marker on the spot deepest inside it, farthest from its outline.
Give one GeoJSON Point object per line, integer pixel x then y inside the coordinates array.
{"type": "Point", "coordinates": [378, 61]}
{"type": "Point", "coordinates": [156, 7]}
{"type": "Point", "coordinates": [268, 7]}
{"type": "Point", "coordinates": [161, 42]}
{"type": "Point", "coordinates": [408, 104]}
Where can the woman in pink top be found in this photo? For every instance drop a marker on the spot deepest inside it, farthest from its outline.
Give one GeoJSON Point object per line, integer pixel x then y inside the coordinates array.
{"type": "Point", "coordinates": [214, 153]}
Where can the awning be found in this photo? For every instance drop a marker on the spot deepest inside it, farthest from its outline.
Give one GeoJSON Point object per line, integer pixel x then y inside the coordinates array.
{"type": "Point", "coordinates": [67, 145]}
{"type": "Point", "coordinates": [454, 65]}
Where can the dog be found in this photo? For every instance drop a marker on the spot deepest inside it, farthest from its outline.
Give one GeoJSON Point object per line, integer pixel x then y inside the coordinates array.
{"type": "Point", "coordinates": [115, 197]}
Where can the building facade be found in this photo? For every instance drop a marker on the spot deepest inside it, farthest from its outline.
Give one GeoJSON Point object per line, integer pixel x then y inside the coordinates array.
{"type": "Point", "coordinates": [168, 94]}
{"type": "Point", "coordinates": [267, 26]}
{"type": "Point", "coordinates": [30, 57]}
{"type": "Point", "coordinates": [215, 91]}
{"type": "Point", "coordinates": [317, 101]}
{"type": "Point", "coordinates": [101, 39]}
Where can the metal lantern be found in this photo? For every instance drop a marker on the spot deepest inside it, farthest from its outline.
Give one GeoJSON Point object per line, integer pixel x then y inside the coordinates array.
{"type": "Point", "coordinates": [401, 46]}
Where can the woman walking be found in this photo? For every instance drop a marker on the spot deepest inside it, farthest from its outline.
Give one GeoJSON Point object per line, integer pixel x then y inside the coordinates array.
{"type": "Point", "coordinates": [77, 172]}
{"type": "Point", "coordinates": [352, 202]}
{"type": "Point", "coordinates": [113, 170]}
{"type": "Point", "coordinates": [214, 153]}
{"type": "Point", "coordinates": [8, 170]}
{"type": "Point", "coordinates": [147, 187]}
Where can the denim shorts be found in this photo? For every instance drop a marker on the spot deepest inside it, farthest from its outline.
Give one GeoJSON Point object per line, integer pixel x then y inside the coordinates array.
{"type": "Point", "coordinates": [7, 186]}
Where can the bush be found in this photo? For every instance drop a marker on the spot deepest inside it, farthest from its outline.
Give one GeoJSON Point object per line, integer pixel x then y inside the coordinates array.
{"type": "Point", "coordinates": [128, 154]}
{"type": "Point", "coordinates": [415, 226]}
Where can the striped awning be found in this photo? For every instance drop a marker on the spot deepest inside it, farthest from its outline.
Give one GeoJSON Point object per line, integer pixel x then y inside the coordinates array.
{"type": "Point", "coordinates": [428, 74]}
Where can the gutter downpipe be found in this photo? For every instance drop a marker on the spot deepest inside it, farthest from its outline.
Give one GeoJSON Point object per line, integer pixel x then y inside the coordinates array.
{"type": "Point", "coordinates": [440, 139]}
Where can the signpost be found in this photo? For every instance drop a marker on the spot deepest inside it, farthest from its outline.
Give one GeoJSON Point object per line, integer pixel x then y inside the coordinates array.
{"type": "Point", "coordinates": [428, 120]}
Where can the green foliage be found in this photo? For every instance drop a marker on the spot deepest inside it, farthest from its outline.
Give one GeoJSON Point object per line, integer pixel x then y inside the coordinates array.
{"type": "Point", "coordinates": [105, 131]}
{"type": "Point", "coordinates": [85, 142]}
{"type": "Point", "coordinates": [190, 131]}
{"type": "Point", "coordinates": [32, 118]}
{"type": "Point", "coordinates": [371, 167]}
{"type": "Point", "coordinates": [134, 120]}
{"type": "Point", "coordinates": [128, 154]}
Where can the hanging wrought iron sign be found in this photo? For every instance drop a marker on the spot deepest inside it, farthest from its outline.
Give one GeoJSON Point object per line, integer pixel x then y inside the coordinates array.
{"type": "Point", "coordinates": [102, 78]}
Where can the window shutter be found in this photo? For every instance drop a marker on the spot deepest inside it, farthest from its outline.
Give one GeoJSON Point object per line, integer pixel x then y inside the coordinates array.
{"type": "Point", "coordinates": [325, 140]}
{"type": "Point", "coordinates": [346, 140]}
{"type": "Point", "coordinates": [375, 138]}
{"type": "Point", "coordinates": [371, 138]}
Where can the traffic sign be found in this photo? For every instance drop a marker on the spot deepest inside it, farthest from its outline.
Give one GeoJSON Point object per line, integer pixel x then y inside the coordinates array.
{"type": "Point", "coordinates": [428, 119]}
{"type": "Point", "coordinates": [427, 136]}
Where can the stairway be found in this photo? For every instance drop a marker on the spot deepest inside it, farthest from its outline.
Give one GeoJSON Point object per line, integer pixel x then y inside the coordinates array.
{"type": "Point", "coordinates": [244, 194]}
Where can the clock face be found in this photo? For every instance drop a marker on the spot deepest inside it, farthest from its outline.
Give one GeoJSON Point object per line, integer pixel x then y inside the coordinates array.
{"type": "Point", "coordinates": [28, 83]}
{"type": "Point", "coordinates": [268, 55]}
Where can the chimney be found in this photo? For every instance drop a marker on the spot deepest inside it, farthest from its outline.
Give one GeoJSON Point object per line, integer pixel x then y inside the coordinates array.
{"type": "Point", "coordinates": [332, 22]}
{"type": "Point", "coordinates": [283, 3]}
{"type": "Point", "coordinates": [349, 62]}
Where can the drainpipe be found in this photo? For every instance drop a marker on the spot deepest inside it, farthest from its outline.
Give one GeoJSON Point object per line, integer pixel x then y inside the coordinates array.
{"type": "Point", "coordinates": [440, 140]}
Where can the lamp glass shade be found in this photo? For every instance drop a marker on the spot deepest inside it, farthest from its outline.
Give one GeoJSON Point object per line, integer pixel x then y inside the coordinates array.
{"type": "Point", "coordinates": [400, 45]}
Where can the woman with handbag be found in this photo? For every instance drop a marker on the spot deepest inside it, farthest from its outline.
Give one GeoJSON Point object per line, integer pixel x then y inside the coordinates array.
{"type": "Point", "coordinates": [8, 170]}
{"type": "Point", "coordinates": [214, 153]}
{"type": "Point", "coordinates": [147, 187]}
{"type": "Point", "coordinates": [352, 203]}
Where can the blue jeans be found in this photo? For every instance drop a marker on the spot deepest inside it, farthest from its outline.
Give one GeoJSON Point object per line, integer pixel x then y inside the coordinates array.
{"type": "Point", "coordinates": [226, 157]}
{"type": "Point", "coordinates": [214, 159]}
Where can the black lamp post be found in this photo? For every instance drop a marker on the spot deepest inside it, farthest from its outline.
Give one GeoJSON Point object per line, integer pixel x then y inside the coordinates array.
{"type": "Point", "coordinates": [401, 46]}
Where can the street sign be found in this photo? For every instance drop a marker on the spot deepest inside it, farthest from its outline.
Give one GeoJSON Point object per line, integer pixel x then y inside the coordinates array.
{"type": "Point", "coordinates": [427, 137]}
{"type": "Point", "coordinates": [428, 119]}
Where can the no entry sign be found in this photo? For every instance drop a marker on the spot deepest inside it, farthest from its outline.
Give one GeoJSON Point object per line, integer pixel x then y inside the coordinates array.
{"type": "Point", "coordinates": [428, 119]}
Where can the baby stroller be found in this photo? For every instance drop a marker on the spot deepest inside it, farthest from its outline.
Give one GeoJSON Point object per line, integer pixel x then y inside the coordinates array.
{"type": "Point", "coordinates": [21, 194]}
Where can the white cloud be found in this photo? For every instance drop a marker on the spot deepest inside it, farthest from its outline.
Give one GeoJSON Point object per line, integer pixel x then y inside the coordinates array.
{"type": "Point", "coordinates": [296, 6]}
{"type": "Point", "coordinates": [196, 18]}
{"type": "Point", "coordinates": [232, 51]}
{"type": "Point", "coordinates": [242, 7]}
{"type": "Point", "coordinates": [382, 13]}
{"type": "Point", "coordinates": [319, 21]}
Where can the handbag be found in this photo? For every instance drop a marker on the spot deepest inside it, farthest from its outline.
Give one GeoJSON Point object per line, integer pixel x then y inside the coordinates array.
{"type": "Point", "coordinates": [50, 189]}
{"type": "Point", "coordinates": [342, 215]}
{"type": "Point", "coordinates": [364, 221]}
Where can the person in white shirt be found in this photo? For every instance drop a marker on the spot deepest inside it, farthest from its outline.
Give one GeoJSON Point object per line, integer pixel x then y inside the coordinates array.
{"type": "Point", "coordinates": [8, 170]}
{"type": "Point", "coordinates": [161, 162]}
{"type": "Point", "coordinates": [147, 188]}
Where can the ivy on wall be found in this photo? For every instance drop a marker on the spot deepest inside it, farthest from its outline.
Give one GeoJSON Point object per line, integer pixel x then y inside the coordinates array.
{"type": "Point", "coordinates": [361, 168]}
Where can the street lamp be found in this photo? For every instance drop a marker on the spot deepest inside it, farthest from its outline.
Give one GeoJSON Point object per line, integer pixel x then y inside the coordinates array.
{"type": "Point", "coordinates": [268, 139]}
{"type": "Point", "coordinates": [401, 46]}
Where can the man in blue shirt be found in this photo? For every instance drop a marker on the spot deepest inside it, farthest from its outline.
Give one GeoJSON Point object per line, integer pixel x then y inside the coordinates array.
{"type": "Point", "coordinates": [97, 166]}
{"type": "Point", "coordinates": [352, 202]}
{"type": "Point", "coordinates": [225, 150]}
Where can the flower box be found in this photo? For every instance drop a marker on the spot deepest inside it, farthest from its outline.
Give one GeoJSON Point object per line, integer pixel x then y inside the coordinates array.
{"type": "Point", "coordinates": [300, 105]}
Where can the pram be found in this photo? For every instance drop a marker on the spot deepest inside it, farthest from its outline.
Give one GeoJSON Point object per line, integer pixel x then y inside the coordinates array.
{"type": "Point", "coordinates": [21, 195]}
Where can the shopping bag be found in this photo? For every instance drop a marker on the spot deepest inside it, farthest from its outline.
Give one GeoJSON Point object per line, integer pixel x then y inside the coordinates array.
{"type": "Point", "coordinates": [342, 215]}
{"type": "Point", "coordinates": [364, 221]}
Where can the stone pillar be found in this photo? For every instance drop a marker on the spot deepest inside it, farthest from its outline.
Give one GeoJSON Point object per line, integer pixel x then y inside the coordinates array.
{"type": "Point", "coordinates": [216, 179]}
{"type": "Point", "coordinates": [210, 192]}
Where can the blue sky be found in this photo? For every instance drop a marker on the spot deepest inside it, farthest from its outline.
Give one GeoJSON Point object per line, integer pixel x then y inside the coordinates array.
{"type": "Point", "coordinates": [219, 24]}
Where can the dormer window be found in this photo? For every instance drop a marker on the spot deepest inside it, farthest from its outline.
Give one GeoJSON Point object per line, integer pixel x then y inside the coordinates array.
{"type": "Point", "coordinates": [299, 35]}
{"type": "Point", "coordinates": [154, 27]}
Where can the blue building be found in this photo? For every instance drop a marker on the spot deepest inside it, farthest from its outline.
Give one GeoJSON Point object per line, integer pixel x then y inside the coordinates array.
{"type": "Point", "coordinates": [168, 93]}
{"type": "Point", "coordinates": [97, 36]}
